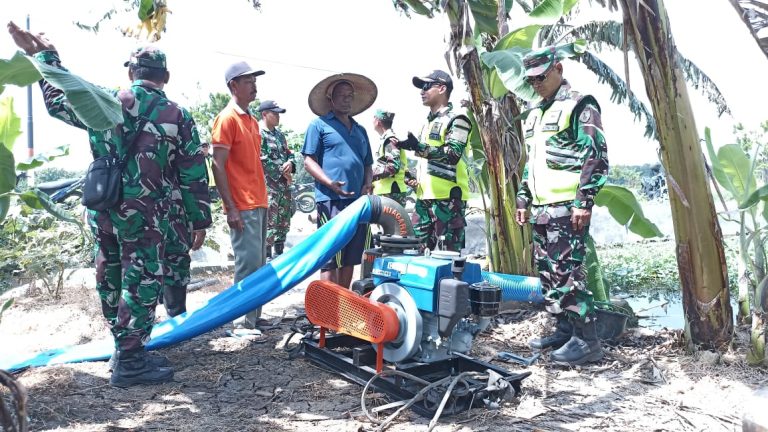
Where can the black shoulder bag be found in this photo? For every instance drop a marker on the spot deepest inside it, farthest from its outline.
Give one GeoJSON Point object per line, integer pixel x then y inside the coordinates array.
{"type": "Point", "coordinates": [103, 185]}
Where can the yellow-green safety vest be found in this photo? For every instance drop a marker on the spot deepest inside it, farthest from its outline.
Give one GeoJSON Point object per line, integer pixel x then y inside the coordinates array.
{"type": "Point", "coordinates": [548, 185]}
{"type": "Point", "coordinates": [437, 179]}
{"type": "Point", "coordinates": [384, 185]}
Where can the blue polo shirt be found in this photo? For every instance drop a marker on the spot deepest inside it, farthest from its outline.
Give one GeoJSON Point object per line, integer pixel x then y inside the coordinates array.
{"type": "Point", "coordinates": [342, 153]}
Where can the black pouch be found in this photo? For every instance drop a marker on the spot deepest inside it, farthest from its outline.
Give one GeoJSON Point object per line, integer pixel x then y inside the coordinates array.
{"type": "Point", "coordinates": [103, 185]}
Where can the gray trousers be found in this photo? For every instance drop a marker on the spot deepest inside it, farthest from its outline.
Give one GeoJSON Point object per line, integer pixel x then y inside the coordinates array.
{"type": "Point", "coordinates": [249, 246]}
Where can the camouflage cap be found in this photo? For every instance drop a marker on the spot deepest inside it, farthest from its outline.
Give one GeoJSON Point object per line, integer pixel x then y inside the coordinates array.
{"type": "Point", "coordinates": [147, 56]}
{"type": "Point", "coordinates": [540, 61]}
{"type": "Point", "coordinates": [384, 115]}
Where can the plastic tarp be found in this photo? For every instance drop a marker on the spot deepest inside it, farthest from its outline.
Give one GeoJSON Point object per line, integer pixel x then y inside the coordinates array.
{"type": "Point", "coordinates": [259, 288]}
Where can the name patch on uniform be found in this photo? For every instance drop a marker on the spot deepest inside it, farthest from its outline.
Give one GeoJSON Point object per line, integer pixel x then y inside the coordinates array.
{"type": "Point", "coordinates": [434, 131]}
{"type": "Point", "coordinates": [530, 125]}
{"type": "Point", "coordinates": [551, 121]}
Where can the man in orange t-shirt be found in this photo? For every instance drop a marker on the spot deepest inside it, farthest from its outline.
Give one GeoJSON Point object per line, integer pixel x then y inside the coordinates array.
{"type": "Point", "coordinates": [240, 178]}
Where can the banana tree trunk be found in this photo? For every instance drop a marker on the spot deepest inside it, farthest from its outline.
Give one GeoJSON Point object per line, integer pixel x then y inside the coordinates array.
{"type": "Point", "coordinates": [506, 239]}
{"type": "Point", "coordinates": [700, 256]}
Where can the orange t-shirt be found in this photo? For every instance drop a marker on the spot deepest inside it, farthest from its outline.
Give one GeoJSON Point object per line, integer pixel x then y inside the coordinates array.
{"type": "Point", "coordinates": [238, 131]}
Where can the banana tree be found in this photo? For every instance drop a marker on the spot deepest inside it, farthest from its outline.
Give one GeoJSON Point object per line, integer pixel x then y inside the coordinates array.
{"type": "Point", "coordinates": [735, 171]}
{"type": "Point", "coordinates": [700, 255]}
{"type": "Point", "coordinates": [754, 13]}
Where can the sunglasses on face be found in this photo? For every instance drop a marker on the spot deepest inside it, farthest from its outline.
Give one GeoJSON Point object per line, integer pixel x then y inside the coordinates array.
{"type": "Point", "coordinates": [537, 78]}
{"type": "Point", "coordinates": [428, 85]}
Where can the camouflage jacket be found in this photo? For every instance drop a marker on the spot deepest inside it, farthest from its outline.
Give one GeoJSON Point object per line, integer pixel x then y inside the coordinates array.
{"type": "Point", "coordinates": [274, 153]}
{"type": "Point", "coordinates": [165, 156]}
{"type": "Point", "coordinates": [388, 161]}
{"type": "Point", "coordinates": [585, 137]}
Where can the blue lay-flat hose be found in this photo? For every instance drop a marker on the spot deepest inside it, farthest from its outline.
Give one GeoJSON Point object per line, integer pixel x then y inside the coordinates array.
{"type": "Point", "coordinates": [516, 287]}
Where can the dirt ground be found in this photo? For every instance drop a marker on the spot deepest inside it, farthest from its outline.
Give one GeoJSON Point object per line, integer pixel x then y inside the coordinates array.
{"type": "Point", "coordinates": [646, 381]}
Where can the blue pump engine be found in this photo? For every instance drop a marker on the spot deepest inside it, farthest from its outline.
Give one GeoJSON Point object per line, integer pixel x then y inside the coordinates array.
{"type": "Point", "coordinates": [441, 301]}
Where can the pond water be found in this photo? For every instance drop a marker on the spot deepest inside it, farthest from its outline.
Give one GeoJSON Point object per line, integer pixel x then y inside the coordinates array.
{"type": "Point", "coordinates": [658, 312]}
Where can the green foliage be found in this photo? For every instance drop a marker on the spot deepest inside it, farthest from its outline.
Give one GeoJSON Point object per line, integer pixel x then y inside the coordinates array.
{"type": "Point", "coordinates": [206, 112]}
{"type": "Point", "coordinates": [8, 303]}
{"type": "Point", "coordinates": [50, 174]}
{"type": "Point", "coordinates": [36, 246]}
{"type": "Point", "coordinates": [623, 206]}
{"type": "Point", "coordinates": [627, 176]}
{"type": "Point", "coordinates": [95, 107]}
{"type": "Point", "coordinates": [10, 129]}
{"type": "Point", "coordinates": [41, 158]}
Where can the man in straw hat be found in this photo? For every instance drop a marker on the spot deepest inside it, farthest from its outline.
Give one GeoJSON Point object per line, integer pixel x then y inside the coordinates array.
{"type": "Point", "coordinates": [391, 166]}
{"type": "Point", "coordinates": [236, 142]}
{"type": "Point", "coordinates": [442, 187]}
{"type": "Point", "coordinates": [337, 154]}
{"type": "Point", "coordinates": [567, 165]}
{"type": "Point", "coordinates": [160, 161]}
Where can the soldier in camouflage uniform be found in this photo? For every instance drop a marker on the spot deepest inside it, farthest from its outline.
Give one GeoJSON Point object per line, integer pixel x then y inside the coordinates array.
{"type": "Point", "coordinates": [390, 167]}
{"type": "Point", "coordinates": [179, 240]}
{"type": "Point", "coordinates": [442, 181]}
{"type": "Point", "coordinates": [567, 165]}
{"type": "Point", "coordinates": [162, 157]}
{"type": "Point", "coordinates": [277, 160]}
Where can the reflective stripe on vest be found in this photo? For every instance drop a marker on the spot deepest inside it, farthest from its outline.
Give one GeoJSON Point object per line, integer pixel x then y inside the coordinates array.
{"type": "Point", "coordinates": [384, 185]}
{"type": "Point", "coordinates": [437, 179]}
{"type": "Point", "coordinates": [548, 185]}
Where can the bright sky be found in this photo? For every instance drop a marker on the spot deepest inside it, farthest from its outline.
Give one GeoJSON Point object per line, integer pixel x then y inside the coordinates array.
{"type": "Point", "coordinates": [300, 42]}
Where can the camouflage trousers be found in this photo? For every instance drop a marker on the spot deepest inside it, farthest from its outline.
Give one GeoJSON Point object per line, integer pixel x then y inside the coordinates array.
{"type": "Point", "coordinates": [178, 242]}
{"type": "Point", "coordinates": [279, 215]}
{"type": "Point", "coordinates": [433, 219]}
{"type": "Point", "coordinates": [559, 252]}
{"type": "Point", "coordinates": [399, 197]}
{"type": "Point", "coordinates": [130, 248]}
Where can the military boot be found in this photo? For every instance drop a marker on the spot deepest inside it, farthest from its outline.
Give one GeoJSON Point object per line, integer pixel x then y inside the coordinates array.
{"type": "Point", "coordinates": [583, 347]}
{"type": "Point", "coordinates": [563, 332]}
{"type": "Point", "coordinates": [156, 359]}
{"type": "Point", "coordinates": [133, 367]}
{"type": "Point", "coordinates": [175, 300]}
{"type": "Point", "coordinates": [279, 246]}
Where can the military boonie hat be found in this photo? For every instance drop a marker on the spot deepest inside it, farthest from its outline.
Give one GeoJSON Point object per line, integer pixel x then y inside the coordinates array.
{"type": "Point", "coordinates": [540, 61]}
{"type": "Point", "coordinates": [270, 105]}
{"type": "Point", "coordinates": [436, 76]}
{"type": "Point", "coordinates": [384, 115]}
{"type": "Point", "coordinates": [239, 69]}
{"type": "Point", "coordinates": [147, 56]}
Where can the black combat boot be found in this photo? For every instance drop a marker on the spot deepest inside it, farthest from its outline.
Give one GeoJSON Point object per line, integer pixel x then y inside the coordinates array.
{"type": "Point", "coordinates": [175, 300]}
{"type": "Point", "coordinates": [269, 253]}
{"type": "Point", "coordinates": [133, 367]}
{"type": "Point", "coordinates": [156, 359]}
{"type": "Point", "coordinates": [279, 246]}
{"type": "Point", "coordinates": [583, 347]}
{"type": "Point", "coordinates": [563, 332]}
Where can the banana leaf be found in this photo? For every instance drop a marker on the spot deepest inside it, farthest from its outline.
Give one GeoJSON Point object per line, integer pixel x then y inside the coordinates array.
{"type": "Point", "coordinates": [10, 129]}
{"type": "Point", "coordinates": [146, 8]}
{"type": "Point", "coordinates": [596, 281]}
{"type": "Point", "coordinates": [507, 65]}
{"type": "Point", "coordinates": [10, 123]}
{"type": "Point", "coordinates": [623, 206]}
{"type": "Point", "coordinates": [736, 166]}
{"type": "Point", "coordinates": [95, 107]}
{"type": "Point", "coordinates": [42, 158]}
{"type": "Point", "coordinates": [18, 71]}
{"type": "Point", "coordinates": [485, 13]}
{"type": "Point", "coordinates": [549, 12]}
